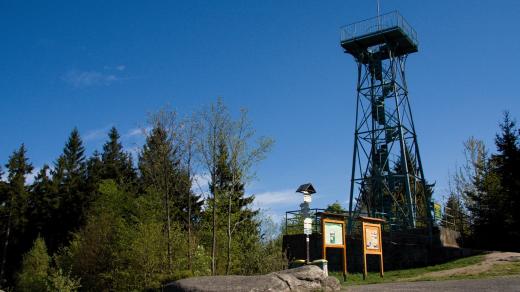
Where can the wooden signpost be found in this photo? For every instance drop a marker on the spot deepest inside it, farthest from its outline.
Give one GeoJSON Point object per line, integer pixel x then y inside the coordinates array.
{"type": "Point", "coordinates": [333, 231]}
{"type": "Point", "coordinates": [372, 241]}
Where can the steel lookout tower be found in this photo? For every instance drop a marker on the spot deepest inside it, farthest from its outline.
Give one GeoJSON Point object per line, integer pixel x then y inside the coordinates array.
{"type": "Point", "coordinates": [387, 174]}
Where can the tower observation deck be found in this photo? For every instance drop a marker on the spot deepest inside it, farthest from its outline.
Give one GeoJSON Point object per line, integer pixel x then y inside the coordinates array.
{"type": "Point", "coordinates": [390, 28]}
{"type": "Point", "coordinates": [387, 174]}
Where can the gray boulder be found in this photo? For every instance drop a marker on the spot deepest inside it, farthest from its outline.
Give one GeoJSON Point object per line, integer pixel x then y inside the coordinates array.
{"type": "Point", "coordinates": [306, 278]}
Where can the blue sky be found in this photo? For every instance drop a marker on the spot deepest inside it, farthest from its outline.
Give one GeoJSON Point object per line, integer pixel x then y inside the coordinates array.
{"type": "Point", "coordinates": [94, 64]}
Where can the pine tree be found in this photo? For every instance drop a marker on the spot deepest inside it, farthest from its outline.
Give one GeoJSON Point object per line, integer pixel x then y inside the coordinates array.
{"type": "Point", "coordinates": [69, 180]}
{"type": "Point", "coordinates": [74, 160]}
{"type": "Point", "coordinates": [233, 208]}
{"type": "Point", "coordinates": [117, 164]}
{"type": "Point", "coordinates": [452, 210]}
{"type": "Point", "coordinates": [15, 209]}
{"type": "Point", "coordinates": [35, 268]}
{"type": "Point", "coordinates": [158, 164]}
{"type": "Point", "coordinates": [228, 156]}
{"type": "Point", "coordinates": [94, 167]}
{"type": "Point", "coordinates": [220, 188]}
{"type": "Point", "coordinates": [43, 203]}
{"type": "Point", "coordinates": [494, 197]}
{"type": "Point", "coordinates": [508, 169]}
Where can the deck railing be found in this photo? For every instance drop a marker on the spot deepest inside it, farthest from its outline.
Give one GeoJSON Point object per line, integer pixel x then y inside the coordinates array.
{"type": "Point", "coordinates": [378, 24]}
{"type": "Point", "coordinates": [294, 221]}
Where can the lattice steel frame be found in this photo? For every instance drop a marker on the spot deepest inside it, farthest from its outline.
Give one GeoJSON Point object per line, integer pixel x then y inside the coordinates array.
{"type": "Point", "coordinates": [387, 174]}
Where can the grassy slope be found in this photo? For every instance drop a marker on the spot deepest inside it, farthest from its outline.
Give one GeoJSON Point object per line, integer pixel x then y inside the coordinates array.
{"type": "Point", "coordinates": [418, 273]}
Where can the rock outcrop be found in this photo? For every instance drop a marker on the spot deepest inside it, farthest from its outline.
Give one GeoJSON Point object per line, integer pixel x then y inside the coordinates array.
{"type": "Point", "coordinates": [306, 278]}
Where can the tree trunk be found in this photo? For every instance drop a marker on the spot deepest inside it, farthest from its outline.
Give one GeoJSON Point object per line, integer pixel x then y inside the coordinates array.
{"type": "Point", "coordinates": [189, 232]}
{"type": "Point", "coordinates": [166, 189]}
{"type": "Point", "coordinates": [214, 235]}
{"type": "Point", "coordinates": [189, 214]}
{"type": "Point", "coordinates": [168, 230]}
{"type": "Point", "coordinates": [6, 244]}
{"type": "Point", "coordinates": [228, 263]}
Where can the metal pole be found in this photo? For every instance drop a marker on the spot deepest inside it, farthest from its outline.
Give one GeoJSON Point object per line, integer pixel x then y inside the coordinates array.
{"type": "Point", "coordinates": [307, 242]}
{"type": "Point", "coordinates": [354, 156]}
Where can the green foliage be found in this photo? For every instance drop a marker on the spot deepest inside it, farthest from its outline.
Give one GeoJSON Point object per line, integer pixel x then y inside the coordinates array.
{"type": "Point", "coordinates": [147, 256]}
{"type": "Point", "coordinates": [14, 209]}
{"type": "Point", "coordinates": [201, 262]}
{"type": "Point", "coordinates": [453, 209]}
{"type": "Point", "coordinates": [35, 267]}
{"type": "Point", "coordinates": [70, 189]}
{"type": "Point", "coordinates": [116, 163]}
{"type": "Point", "coordinates": [109, 227]}
{"type": "Point", "coordinates": [58, 281]}
{"type": "Point", "coordinates": [491, 188]}
{"type": "Point", "coordinates": [335, 208]}
{"type": "Point", "coordinates": [94, 252]}
{"type": "Point", "coordinates": [17, 194]}
{"type": "Point", "coordinates": [161, 169]}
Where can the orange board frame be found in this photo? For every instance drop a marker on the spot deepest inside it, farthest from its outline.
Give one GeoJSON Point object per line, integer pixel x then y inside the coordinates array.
{"type": "Point", "coordinates": [371, 227]}
{"type": "Point", "coordinates": [343, 244]}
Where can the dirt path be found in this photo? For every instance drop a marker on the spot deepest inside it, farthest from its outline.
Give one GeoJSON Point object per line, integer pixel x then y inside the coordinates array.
{"type": "Point", "coordinates": [490, 259]}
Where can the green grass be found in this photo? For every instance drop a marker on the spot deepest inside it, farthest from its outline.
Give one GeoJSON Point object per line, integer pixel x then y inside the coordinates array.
{"type": "Point", "coordinates": [400, 275]}
{"type": "Point", "coordinates": [498, 270]}
{"type": "Point", "coordinates": [512, 268]}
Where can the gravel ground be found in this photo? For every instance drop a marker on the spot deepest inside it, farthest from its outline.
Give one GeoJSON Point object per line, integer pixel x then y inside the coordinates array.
{"type": "Point", "coordinates": [505, 284]}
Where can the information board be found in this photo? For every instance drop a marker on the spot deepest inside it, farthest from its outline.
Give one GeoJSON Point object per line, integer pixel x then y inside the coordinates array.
{"type": "Point", "coordinates": [333, 233]}
{"type": "Point", "coordinates": [372, 238]}
{"type": "Point", "coordinates": [372, 241]}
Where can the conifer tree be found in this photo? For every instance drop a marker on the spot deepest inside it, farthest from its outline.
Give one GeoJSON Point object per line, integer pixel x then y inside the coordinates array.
{"type": "Point", "coordinates": [508, 169]}
{"type": "Point", "coordinates": [43, 203]}
{"type": "Point", "coordinates": [158, 164]}
{"type": "Point", "coordinates": [94, 168]}
{"type": "Point", "coordinates": [214, 123]}
{"type": "Point", "coordinates": [35, 268]}
{"type": "Point", "coordinates": [69, 178]}
{"type": "Point", "coordinates": [15, 209]}
{"type": "Point", "coordinates": [230, 156]}
{"type": "Point", "coordinates": [165, 165]}
{"type": "Point", "coordinates": [117, 164]}
{"type": "Point", "coordinates": [493, 192]}
{"type": "Point", "coordinates": [452, 211]}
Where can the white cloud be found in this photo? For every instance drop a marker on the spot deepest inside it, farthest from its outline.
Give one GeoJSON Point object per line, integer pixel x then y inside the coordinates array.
{"type": "Point", "coordinates": [201, 184]}
{"type": "Point", "coordinates": [136, 132]}
{"type": "Point", "coordinates": [279, 198]}
{"type": "Point", "coordinates": [81, 79]}
{"type": "Point", "coordinates": [96, 134]}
